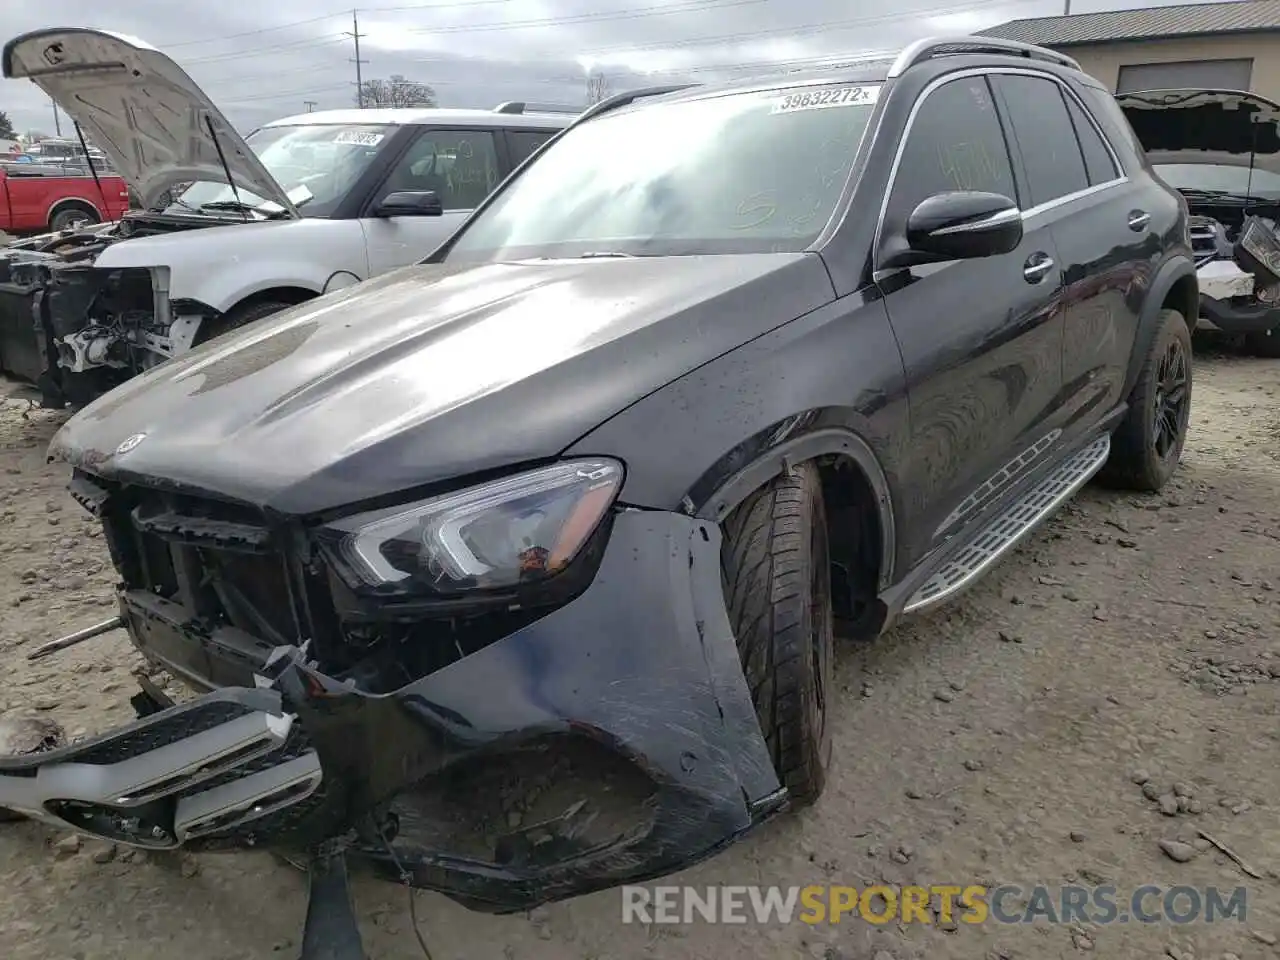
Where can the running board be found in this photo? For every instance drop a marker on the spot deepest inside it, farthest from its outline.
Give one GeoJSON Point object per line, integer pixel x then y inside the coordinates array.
{"type": "Point", "coordinates": [1026, 513]}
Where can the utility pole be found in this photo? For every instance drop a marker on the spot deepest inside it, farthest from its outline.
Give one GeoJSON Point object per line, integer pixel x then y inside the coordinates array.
{"type": "Point", "coordinates": [355, 34]}
{"type": "Point", "coordinates": [309, 104]}
{"type": "Point", "coordinates": [57, 123]}
{"type": "Point", "coordinates": [1066, 8]}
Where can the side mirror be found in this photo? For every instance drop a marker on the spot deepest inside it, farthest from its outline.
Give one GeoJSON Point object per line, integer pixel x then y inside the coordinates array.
{"type": "Point", "coordinates": [410, 203]}
{"type": "Point", "coordinates": [964, 225]}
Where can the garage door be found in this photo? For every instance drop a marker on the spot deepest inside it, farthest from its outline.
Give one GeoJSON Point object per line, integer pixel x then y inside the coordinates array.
{"type": "Point", "coordinates": [1201, 74]}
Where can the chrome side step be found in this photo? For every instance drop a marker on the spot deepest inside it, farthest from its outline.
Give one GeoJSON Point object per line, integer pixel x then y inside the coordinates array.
{"type": "Point", "coordinates": [1026, 513]}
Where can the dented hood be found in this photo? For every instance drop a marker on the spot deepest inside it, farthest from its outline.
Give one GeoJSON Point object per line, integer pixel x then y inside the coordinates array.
{"type": "Point", "coordinates": [1227, 127]}
{"type": "Point", "coordinates": [141, 109]}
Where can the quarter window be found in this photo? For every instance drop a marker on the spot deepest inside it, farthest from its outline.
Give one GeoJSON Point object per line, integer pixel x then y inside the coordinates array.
{"type": "Point", "coordinates": [955, 143]}
{"type": "Point", "coordinates": [461, 166]}
{"type": "Point", "coordinates": [1097, 158]}
{"type": "Point", "coordinates": [1045, 136]}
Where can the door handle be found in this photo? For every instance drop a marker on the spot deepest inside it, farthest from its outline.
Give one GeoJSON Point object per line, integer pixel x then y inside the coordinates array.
{"type": "Point", "coordinates": [1138, 220]}
{"type": "Point", "coordinates": [1037, 267]}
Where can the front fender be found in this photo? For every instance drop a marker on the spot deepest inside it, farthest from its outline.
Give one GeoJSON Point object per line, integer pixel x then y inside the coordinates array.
{"type": "Point", "coordinates": [830, 382]}
{"type": "Point", "coordinates": [221, 265]}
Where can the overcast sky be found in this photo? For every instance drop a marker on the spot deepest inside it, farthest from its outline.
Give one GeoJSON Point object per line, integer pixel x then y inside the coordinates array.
{"type": "Point", "coordinates": [261, 61]}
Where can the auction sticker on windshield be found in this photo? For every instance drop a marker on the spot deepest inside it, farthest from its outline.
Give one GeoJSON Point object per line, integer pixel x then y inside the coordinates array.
{"type": "Point", "coordinates": [830, 97]}
{"type": "Point", "coordinates": [359, 139]}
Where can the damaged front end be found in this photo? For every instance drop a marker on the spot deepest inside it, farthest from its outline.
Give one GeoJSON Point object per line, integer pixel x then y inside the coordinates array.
{"type": "Point", "coordinates": [69, 323]}
{"type": "Point", "coordinates": [1221, 150]}
{"type": "Point", "coordinates": [584, 726]}
{"type": "Point", "coordinates": [76, 330]}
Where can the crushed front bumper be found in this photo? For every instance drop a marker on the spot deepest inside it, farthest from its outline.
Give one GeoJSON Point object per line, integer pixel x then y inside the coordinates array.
{"type": "Point", "coordinates": [1238, 317]}
{"type": "Point", "coordinates": [626, 709]}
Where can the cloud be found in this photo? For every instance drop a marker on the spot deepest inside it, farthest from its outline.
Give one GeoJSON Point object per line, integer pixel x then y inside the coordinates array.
{"type": "Point", "coordinates": [260, 62]}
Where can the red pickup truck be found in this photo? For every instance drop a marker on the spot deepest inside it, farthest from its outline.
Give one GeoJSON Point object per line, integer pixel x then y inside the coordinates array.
{"type": "Point", "coordinates": [46, 198]}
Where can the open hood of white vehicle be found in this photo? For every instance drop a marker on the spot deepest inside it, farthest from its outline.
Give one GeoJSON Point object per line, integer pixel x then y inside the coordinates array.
{"type": "Point", "coordinates": [1226, 127]}
{"type": "Point", "coordinates": [141, 109]}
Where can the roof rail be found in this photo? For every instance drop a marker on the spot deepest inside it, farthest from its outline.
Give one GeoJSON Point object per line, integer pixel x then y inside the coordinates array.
{"type": "Point", "coordinates": [520, 106]}
{"type": "Point", "coordinates": [931, 47]}
{"type": "Point", "coordinates": [630, 97]}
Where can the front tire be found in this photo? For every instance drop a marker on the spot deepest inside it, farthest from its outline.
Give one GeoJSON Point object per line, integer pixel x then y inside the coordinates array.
{"type": "Point", "coordinates": [1146, 447]}
{"type": "Point", "coordinates": [777, 576]}
{"type": "Point", "coordinates": [237, 317]}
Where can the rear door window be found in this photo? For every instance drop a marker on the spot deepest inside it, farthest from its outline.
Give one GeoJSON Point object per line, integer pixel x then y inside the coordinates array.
{"type": "Point", "coordinates": [1045, 136]}
{"type": "Point", "coordinates": [1098, 162]}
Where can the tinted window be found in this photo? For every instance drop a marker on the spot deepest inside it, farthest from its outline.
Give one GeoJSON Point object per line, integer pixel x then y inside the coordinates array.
{"type": "Point", "coordinates": [1097, 160]}
{"type": "Point", "coordinates": [742, 172]}
{"type": "Point", "coordinates": [1045, 136]}
{"type": "Point", "coordinates": [1107, 112]}
{"type": "Point", "coordinates": [524, 142]}
{"type": "Point", "coordinates": [461, 166]}
{"type": "Point", "coordinates": [955, 143]}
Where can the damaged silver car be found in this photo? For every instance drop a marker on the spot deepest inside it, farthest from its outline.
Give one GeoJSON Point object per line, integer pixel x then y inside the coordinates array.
{"type": "Point", "coordinates": [1221, 150]}
{"type": "Point", "coordinates": [318, 202]}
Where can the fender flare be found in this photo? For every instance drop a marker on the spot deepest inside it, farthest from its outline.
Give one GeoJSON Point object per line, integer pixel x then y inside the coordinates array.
{"type": "Point", "coordinates": [1176, 268]}
{"type": "Point", "coordinates": [780, 456]}
{"type": "Point", "coordinates": [79, 201]}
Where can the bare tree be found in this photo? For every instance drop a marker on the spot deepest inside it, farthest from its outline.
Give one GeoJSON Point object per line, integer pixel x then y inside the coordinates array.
{"type": "Point", "coordinates": [598, 87]}
{"type": "Point", "coordinates": [396, 92]}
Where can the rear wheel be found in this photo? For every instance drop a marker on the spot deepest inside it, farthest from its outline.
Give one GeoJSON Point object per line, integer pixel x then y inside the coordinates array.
{"type": "Point", "coordinates": [72, 214]}
{"type": "Point", "coordinates": [777, 577]}
{"type": "Point", "coordinates": [1146, 447]}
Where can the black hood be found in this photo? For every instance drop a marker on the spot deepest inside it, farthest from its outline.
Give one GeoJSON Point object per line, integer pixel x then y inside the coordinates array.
{"type": "Point", "coordinates": [1225, 127]}
{"type": "Point", "coordinates": [430, 373]}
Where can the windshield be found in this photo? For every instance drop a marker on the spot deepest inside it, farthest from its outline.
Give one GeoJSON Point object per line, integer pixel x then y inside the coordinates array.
{"type": "Point", "coordinates": [326, 159]}
{"type": "Point", "coordinates": [742, 173]}
{"type": "Point", "coordinates": [1220, 178]}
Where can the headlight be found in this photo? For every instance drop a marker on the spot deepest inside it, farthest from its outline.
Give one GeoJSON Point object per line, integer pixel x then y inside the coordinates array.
{"type": "Point", "coordinates": [499, 534]}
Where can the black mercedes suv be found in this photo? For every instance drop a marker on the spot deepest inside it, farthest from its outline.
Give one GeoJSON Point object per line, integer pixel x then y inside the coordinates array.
{"type": "Point", "coordinates": [519, 569]}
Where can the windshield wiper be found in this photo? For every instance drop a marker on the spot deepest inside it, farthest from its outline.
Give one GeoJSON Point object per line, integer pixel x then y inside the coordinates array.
{"type": "Point", "coordinates": [1225, 195]}
{"type": "Point", "coordinates": [238, 206]}
{"type": "Point", "coordinates": [605, 253]}
{"type": "Point", "coordinates": [179, 202]}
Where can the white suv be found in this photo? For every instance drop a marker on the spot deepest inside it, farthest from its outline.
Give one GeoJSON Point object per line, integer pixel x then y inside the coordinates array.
{"type": "Point", "coordinates": [318, 201]}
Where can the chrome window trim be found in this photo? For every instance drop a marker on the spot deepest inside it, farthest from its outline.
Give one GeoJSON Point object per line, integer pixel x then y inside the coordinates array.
{"type": "Point", "coordinates": [997, 219]}
{"type": "Point", "coordinates": [1028, 213]}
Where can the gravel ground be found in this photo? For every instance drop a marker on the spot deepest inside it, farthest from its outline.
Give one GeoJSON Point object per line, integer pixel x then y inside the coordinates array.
{"type": "Point", "coordinates": [996, 740]}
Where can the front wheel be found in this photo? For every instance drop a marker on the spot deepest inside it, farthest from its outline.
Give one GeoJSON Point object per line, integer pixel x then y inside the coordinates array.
{"type": "Point", "coordinates": [238, 317]}
{"type": "Point", "coordinates": [776, 569]}
{"type": "Point", "coordinates": [1146, 447]}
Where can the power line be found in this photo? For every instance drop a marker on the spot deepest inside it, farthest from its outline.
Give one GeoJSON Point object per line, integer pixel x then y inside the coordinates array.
{"type": "Point", "coordinates": [638, 13]}
{"type": "Point", "coordinates": [256, 51]}
{"type": "Point", "coordinates": [332, 16]}
{"type": "Point", "coordinates": [682, 6]}
{"type": "Point", "coordinates": [287, 94]}
{"type": "Point", "coordinates": [796, 31]}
